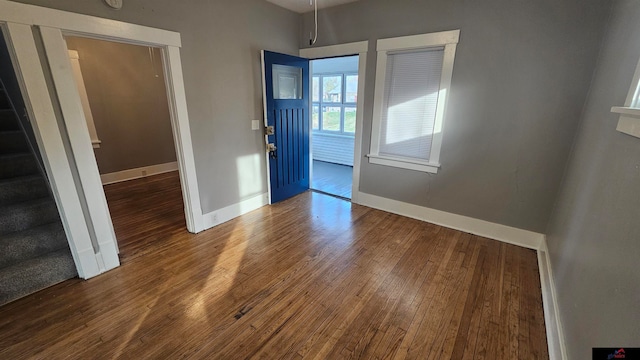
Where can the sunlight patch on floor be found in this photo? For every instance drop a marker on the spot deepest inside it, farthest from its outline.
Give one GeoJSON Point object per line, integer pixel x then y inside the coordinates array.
{"type": "Point", "coordinates": [223, 273]}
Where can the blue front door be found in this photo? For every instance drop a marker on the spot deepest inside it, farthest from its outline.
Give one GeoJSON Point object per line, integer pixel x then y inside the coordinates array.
{"type": "Point", "coordinates": [286, 80]}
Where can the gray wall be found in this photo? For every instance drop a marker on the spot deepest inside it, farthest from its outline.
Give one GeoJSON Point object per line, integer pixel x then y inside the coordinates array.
{"type": "Point", "coordinates": [593, 234]}
{"type": "Point", "coordinates": [128, 99]}
{"type": "Point", "coordinates": [521, 74]}
{"type": "Point", "coordinates": [221, 41]}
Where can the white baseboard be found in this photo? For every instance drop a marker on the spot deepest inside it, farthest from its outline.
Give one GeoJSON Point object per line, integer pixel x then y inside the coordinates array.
{"type": "Point", "coordinates": [555, 335]}
{"type": "Point", "coordinates": [138, 173]}
{"type": "Point", "coordinates": [107, 258]}
{"type": "Point", "coordinates": [507, 234]}
{"type": "Point", "coordinates": [225, 214]}
{"type": "Point", "coordinates": [88, 263]}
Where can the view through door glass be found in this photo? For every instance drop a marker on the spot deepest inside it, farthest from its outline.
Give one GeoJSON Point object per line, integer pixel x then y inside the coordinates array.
{"type": "Point", "coordinates": [334, 94]}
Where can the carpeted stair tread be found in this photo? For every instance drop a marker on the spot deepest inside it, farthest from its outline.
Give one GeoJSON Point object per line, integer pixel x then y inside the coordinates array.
{"type": "Point", "coordinates": [21, 164]}
{"type": "Point", "coordinates": [34, 253]}
{"type": "Point", "coordinates": [31, 243]}
{"type": "Point", "coordinates": [4, 101]}
{"type": "Point", "coordinates": [35, 274]}
{"type": "Point", "coordinates": [24, 215]}
{"type": "Point", "coordinates": [8, 120]}
{"type": "Point", "coordinates": [22, 188]}
{"type": "Point", "coordinates": [12, 142]}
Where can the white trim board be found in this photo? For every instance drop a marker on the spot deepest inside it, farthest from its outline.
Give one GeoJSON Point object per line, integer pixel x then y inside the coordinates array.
{"type": "Point", "coordinates": [266, 123]}
{"type": "Point", "coordinates": [79, 24]}
{"type": "Point", "coordinates": [507, 234]}
{"type": "Point", "coordinates": [356, 48]}
{"type": "Point", "coordinates": [174, 82]}
{"type": "Point", "coordinates": [137, 173]}
{"type": "Point", "coordinates": [230, 212]}
{"type": "Point", "coordinates": [77, 129]}
{"type": "Point", "coordinates": [555, 334]}
{"type": "Point", "coordinates": [353, 48]}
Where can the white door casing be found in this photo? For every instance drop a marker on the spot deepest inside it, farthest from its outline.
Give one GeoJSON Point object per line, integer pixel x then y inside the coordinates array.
{"type": "Point", "coordinates": [54, 24]}
{"type": "Point", "coordinates": [78, 131]}
{"type": "Point", "coordinates": [356, 48]}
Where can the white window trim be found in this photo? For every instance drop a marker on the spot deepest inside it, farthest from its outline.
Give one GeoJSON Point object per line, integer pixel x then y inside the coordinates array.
{"type": "Point", "coordinates": [629, 120]}
{"type": "Point", "coordinates": [446, 39]}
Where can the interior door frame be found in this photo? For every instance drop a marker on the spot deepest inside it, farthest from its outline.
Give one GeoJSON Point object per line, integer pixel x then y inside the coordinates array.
{"type": "Point", "coordinates": [265, 123]}
{"type": "Point", "coordinates": [355, 48]}
{"type": "Point", "coordinates": [91, 237]}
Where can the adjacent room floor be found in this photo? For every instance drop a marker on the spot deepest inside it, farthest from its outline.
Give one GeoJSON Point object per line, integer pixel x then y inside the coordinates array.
{"type": "Point", "coordinates": [146, 213]}
{"type": "Point", "coordinates": [310, 277]}
{"type": "Point", "coordinates": [332, 178]}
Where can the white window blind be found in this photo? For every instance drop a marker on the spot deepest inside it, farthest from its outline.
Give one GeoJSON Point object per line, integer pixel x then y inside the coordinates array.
{"type": "Point", "coordinates": [409, 107]}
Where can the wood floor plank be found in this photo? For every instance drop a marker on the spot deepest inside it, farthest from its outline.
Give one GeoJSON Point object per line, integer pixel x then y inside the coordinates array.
{"type": "Point", "coordinates": [414, 269]}
{"type": "Point", "coordinates": [324, 301]}
{"type": "Point", "coordinates": [343, 291]}
{"type": "Point", "coordinates": [448, 336]}
{"type": "Point", "coordinates": [313, 277]}
{"type": "Point", "coordinates": [447, 285]}
{"type": "Point", "coordinates": [365, 279]}
{"type": "Point", "coordinates": [385, 295]}
{"type": "Point", "coordinates": [328, 273]}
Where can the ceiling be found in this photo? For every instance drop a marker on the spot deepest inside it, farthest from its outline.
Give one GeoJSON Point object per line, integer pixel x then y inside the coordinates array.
{"type": "Point", "coordinates": [302, 6]}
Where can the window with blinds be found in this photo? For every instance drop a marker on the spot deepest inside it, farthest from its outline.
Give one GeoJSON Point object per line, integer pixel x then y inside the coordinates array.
{"type": "Point", "coordinates": [411, 99]}
{"type": "Point", "coordinates": [413, 78]}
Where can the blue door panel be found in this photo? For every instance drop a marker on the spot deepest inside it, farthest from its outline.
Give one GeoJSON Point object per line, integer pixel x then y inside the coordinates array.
{"type": "Point", "coordinates": [289, 168]}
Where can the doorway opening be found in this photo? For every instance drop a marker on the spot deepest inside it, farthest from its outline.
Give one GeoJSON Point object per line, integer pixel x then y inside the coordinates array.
{"type": "Point", "coordinates": [123, 93]}
{"type": "Point", "coordinates": [334, 94]}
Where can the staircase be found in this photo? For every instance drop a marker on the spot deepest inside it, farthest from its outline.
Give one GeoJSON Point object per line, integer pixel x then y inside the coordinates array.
{"type": "Point", "coordinates": [34, 253]}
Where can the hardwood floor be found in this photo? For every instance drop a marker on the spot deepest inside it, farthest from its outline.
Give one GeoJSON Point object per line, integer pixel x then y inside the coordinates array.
{"type": "Point", "coordinates": [311, 277]}
{"type": "Point", "coordinates": [146, 213]}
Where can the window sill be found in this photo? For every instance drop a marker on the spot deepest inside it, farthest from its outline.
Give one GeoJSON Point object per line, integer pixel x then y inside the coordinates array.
{"type": "Point", "coordinates": [629, 122]}
{"type": "Point", "coordinates": [404, 163]}
{"type": "Point", "coordinates": [336, 134]}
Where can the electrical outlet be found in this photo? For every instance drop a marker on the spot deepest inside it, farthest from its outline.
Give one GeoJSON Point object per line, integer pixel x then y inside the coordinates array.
{"type": "Point", "coordinates": [255, 124]}
{"type": "Point", "coordinates": [215, 218]}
